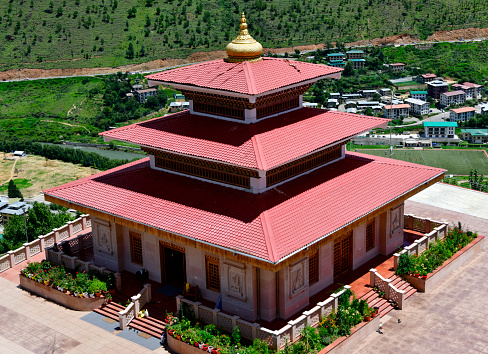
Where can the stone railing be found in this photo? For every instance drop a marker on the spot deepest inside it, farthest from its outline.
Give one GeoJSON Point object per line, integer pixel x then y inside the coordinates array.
{"type": "Point", "coordinates": [423, 225]}
{"type": "Point", "coordinates": [419, 246]}
{"type": "Point", "coordinates": [30, 249]}
{"type": "Point", "coordinates": [392, 294]}
{"type": "Point", "coordinates": [137, 303]}
{"type": "Point", "coordinates": [126, 316]}
{"type": "Point", "coordinates": [275, 339]}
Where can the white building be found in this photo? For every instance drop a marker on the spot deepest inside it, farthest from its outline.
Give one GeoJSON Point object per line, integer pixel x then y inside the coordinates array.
{"type": "Point", "coordinates": [396, 111]}
{"type": "Point", "coordinates": [143, 95]}
{"type": "Point", "coordinates": [369, 93]}
{"type": "Point", "coordinates": [385, 92]}
{"type": "Point", "coordinates": [310, 104]}
{"type": "Point", "coordinates": [418, 106]}
{"type": "Point", "coordinates": [419, 95]}
{"type": "Point", "coordinates": [461, 114]}
{"type": "Point", "coordinates": [453, 97]}
{"type": "Point", "coordinates": [440, 129]}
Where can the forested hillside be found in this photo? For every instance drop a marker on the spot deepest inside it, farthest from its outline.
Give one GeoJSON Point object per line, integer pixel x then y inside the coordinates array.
{"type": "Point", "coordinates": [92, 33]}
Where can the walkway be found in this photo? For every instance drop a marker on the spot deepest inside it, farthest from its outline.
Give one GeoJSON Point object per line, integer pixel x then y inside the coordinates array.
{"type": "Point", "coordinates": [449, 319]}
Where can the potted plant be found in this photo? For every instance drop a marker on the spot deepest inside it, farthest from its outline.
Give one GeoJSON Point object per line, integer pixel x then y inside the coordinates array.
{"type": "Point", "coordinates": [367, 313]}
{"type": "Point", "coordinates": [169, 317]}
{"type": "Point", "coordinates": [205, 347]}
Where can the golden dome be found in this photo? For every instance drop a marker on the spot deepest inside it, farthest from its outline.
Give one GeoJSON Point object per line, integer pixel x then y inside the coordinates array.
{"type": "Point", "coordinates": [244, 47]}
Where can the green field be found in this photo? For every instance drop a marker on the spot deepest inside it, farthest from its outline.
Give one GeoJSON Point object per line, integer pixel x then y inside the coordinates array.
{"type": "Point", "coordinates": [457, 162]}
{"type": "Point", "coordinates": [94, 33]}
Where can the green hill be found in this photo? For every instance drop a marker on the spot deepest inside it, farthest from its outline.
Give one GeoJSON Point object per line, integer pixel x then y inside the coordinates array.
{"type": "Point", "coordinates": [93, 33]}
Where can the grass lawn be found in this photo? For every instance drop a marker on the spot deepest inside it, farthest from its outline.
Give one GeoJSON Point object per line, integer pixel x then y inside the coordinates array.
{"type": "Point", "coordinates": [36, 174]}
{"type": "Point", "coordinates": [457, 162]}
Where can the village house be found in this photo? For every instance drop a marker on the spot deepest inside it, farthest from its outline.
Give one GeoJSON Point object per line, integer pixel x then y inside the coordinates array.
{"type": "Point", "coordinates": [452, 97]}
{"type": "Point", "coordinates": [337, 63]}
{"type": "Point", "coordinates": [17, 208]}
{"type": "Point", "coordinates": [396, 111]}
{"type": "Point", "coordinates": [397, 67]}
{"type": "Point", "coordinates": [418, 107]}
{"type": "Point", "coordinates": [418, 95]}
{"type": "Point", "coordinates": [247, 195]}
{"type": "Point", "coordinates": [336, 56]}
{"type": "Point", "coordinates": [474, 136]}
{"type": "Point", "coordinates": [351, 96]}
{"type": "Point", "coordinates": [426, 78]}
{"type": "Point", "coordinates": [385, 91]}
{"type": "Point", "coordinates": [332, 103]}
{"type": "Point", "coordinates": [357, 63]}
{"type": "Point", "coordinates": [462, 114]}
{"type": "Point", "coordinates": [477, 89]}
{"type": "Point", "coordinates": [143, 95]}
{"type": "Point", "coordinates": [355, 54]}
{"type": "Point", "coordinates": [468, 90]}
{"type": "Point", "coordinates": [436, 87]}
{"type": "Point", "coordinates": [440, 129]}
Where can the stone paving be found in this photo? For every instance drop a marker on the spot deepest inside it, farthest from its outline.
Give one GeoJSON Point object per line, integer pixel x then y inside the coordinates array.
{"type": "Point", "coordinates": [30, 324]}
{"type": "Point", "coordinates": [452, 318]}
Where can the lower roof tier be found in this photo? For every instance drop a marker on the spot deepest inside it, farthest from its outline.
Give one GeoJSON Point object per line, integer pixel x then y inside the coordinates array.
{"type": "Point", "coordinates": [263, 145]}
{"type": "Point", "coordinates": [270, 226]}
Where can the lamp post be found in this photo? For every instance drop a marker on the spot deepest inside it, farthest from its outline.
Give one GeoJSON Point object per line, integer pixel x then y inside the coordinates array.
{"type": "Point", "coordinates": [24, 209]}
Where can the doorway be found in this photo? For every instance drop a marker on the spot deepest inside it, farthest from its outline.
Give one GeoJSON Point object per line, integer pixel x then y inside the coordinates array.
{"type": "Point", "coordinates": [173, 265]}
{"type": "Point", "coordinates": [342, 254]}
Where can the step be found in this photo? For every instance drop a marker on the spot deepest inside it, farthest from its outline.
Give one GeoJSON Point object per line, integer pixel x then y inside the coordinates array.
{"type": "Point", "coordinates": [107, 314]}
{"type": "Point", "coordinates": [410, 292]}
{"type": "Point", "coordinates": [386, 310]}
{"type": "Point", "coordinates": [376, 301]}
{"type": "Point", "coordinates": [155, 321]}
{"type": "Point", "coordinates": [147, 323]}
{"type": "Point", "coordinates": [369, 295]}
{"type": "Point", "coordinates": [111, 310]}
{"type": "Point", "coordinates": [136, 324]}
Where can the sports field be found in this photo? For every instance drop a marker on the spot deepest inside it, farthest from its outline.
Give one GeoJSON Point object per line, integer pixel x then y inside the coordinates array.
{"type": "Point", "coordinates": [457, 162]}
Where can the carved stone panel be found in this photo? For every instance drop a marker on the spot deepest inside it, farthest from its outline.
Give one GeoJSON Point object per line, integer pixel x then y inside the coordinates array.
{"type": "Point", "coordinates": [297, 277]}
{"type": "Point", "coordinates": [104, 239]}
{"type": "Point", "coordinates": [236, 280]}
{"type": "Point", "coordinates": [396, 221]}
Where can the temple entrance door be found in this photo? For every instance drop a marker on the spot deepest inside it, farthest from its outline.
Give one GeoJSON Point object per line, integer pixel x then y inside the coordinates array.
{"type": "Point", "coordinates": [173, 265]}
{"type": "Point", "coordinates": [342, 254]}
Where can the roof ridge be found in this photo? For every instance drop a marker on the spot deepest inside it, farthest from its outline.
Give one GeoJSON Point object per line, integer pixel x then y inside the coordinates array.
{"type": "Point", "coordinates": [251, 87]}
{"type": "Point", "coordinates": [388, 161]}
{"type": "Point", "coordinates": [267, 232]}
{"type": "Point", "coordinates": [256, 146]}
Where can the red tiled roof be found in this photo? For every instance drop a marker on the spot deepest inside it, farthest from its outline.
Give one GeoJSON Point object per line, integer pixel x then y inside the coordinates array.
{"type": "Point", "coordinates": [269, 226]}
{"type": "Point", "coordinates": [247, 78]}
{"type": "Point", "coordinates": [259, 145]}
{"type": "Point", "coordinates": [453, 93]}
{"type": "Point", "coordinates": [463, 109]}
{"type": "Point", "coordinates": [470, 84]}
{"type": "Point", "coordinates": [426, 76]}
{"type": "Point", "coordinates": [398, 106]}
{"type": "Point", "coordinates": [397, 64]}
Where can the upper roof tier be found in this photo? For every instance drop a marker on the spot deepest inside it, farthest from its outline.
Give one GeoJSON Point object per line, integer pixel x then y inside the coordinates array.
{"type": "Point", "coordinates": [245, 78]}
{"type": "Point", "coordinates": [259, 145]}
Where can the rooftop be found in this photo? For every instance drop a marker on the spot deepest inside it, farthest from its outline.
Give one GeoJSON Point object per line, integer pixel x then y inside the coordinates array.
{"type": "Point", "coordinates": [415, 101]}
{"type": "Point", "coordinates": [355, 52]}
{"type": "Point", "coordinates": [437, 83]}
{"type": "Point", "coordinates": [263, 226]}
{"type": "Point", "coordinates": [418, 92]}
{"type": "Point", "coordinates": [440, 124]}
{"type": "Point", "coordinates": [258, 145]}
{"type": "Point", "coordinates": [426, 76]}
{"type": "Point", "coordinates": [453, 93]}
{"type": "Point", "coordinates": [335, 54]}
{"type": "Point", "coordinates": [245, 78]}
{"type": "Point", "coordinates": [470, 84]}
{"type": "Point", "coordinates": [464, 109]}
{"type": "Point", "coordinates": [476, 132]}
{"type": "Point", "coordinates": [396, 106]}
{"type": "Point", "coordinates": [397, 64]}
{"type": "Point", "coordinates": [357, 60]}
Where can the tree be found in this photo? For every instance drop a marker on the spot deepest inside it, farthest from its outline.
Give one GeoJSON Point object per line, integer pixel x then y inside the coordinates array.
{"type": "Point", "coordinates": [129, 54]}
{"type": "Point", "coordinates": [348, 69]}
{"type": "Point", "coordinates": [13, 191]}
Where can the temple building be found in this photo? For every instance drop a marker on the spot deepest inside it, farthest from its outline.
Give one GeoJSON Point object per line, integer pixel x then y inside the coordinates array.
{"type": "Point", "coordinates": [247, 194]}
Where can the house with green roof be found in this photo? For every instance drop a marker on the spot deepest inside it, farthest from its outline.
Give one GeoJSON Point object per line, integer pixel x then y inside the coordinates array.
{"type": "Point", "coordinates": [418, 95]}
{"type": "Point", "coordinates": [355, 54]}
{"type": "Point", "coordinates": [474, 135]}
{"type": "Point", "coordinates": [336, 56]}
{"type": "Point", "coordinates": [440, 129]}
{"type": "Point", "coordinates": [357, 63]}
{"type": "Point", "coordinates": [337, 63]}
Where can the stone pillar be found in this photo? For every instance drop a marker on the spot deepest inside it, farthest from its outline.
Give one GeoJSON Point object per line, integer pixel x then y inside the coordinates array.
{"type": "Point", "coordinates": [118, 281]}
{"type": "Point", "coordinates": [11, 258]}
{"type": "Point", "coordinates": [27, 251]}
{"type": "Point", "coordinates": [372, 274]}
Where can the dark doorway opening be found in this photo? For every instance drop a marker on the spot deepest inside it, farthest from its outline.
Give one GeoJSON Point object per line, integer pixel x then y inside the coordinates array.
{"type": "Point", "coordinates": [173, 267]}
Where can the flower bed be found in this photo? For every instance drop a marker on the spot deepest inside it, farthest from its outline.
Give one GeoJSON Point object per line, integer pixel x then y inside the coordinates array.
{"type": "Point", "coordinates": [58, 284]}
{"type": "Point", "coordinates": [185, 328]}
{"type": "Point", "coordinates": [440, 259]}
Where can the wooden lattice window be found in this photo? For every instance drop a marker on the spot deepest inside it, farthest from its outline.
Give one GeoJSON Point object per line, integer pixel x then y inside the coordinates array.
{"type": "Point", "coordinates": [370, 235]}
{"type": "Point", "coordinates": [313, 267]}
{"type": "Point", "coordinates": [342, 254]}
{"type": "Point", "coordinates": [218, 110]}
{"type": "Point", "coordinates": [307, 163]}
{"type": "Point", "coordinates": [135, 247]}
{"type": "Point", "coordinates": [213, 273]}
{"type": "Point", "coordinates": [203, 172]}
{"type": "Point", "coordinates": [277, 107]}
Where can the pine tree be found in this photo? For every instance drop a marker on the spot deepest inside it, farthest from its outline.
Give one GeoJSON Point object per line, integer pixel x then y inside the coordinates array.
{"type": "Point", "coordinates": [13, 191]}
{"type": "Point", "coordinates": [130, 52]}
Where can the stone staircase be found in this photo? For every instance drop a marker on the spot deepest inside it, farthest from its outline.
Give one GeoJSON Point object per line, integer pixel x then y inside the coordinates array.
{"type": "Point", "coordinates": [384, 305]}
{"type": "Point", "coordinates": [149, 325]}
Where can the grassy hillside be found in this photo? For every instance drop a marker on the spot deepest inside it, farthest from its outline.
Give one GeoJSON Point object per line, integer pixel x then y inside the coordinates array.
{"type": "Point", "coordinates": [90, 33]}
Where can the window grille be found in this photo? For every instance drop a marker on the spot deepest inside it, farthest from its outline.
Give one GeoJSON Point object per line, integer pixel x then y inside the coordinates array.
{"type": "Point", "coordinates": [370, 236]}
{"type": "Point", "coordinates": [307, 163]}
{"type": "Point", "coordinates": [136, 247]}
{"type": "Point", "coordinates": [218, 110]}
{"type": "Point", "coordinates": [277, 107]}
{"type": "Point", "coordinates": [213, 273]}
{"type": "Point", "coordinates": [313, 267]}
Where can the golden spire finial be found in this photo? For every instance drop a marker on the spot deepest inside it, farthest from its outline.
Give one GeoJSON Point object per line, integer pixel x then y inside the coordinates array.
{"type": "Point", "coordinates": [244, 47]}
